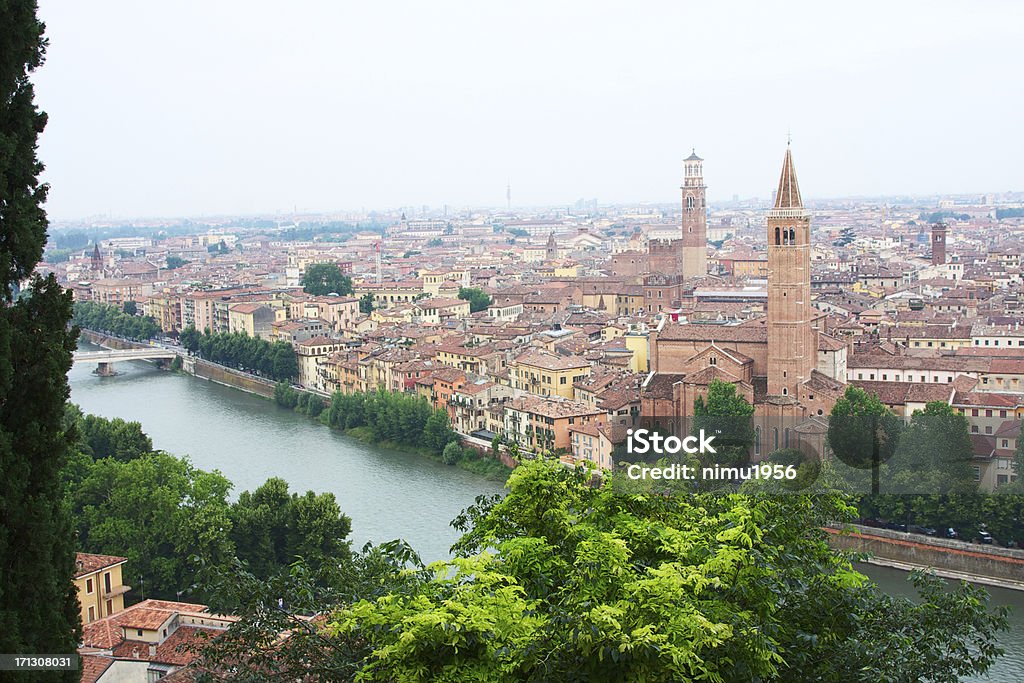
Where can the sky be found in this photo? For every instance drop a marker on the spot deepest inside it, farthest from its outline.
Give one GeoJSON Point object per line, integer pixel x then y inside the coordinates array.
{"type": "Point", "coordinates": [193, 108]}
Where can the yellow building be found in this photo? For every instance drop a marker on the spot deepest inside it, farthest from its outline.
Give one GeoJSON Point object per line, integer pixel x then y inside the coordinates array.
{"type": "Point", "coordinates": [99, 584]}
{"type": "Point", "coordinates": [547, 374]}
{"type": "Point", "coordinates": [637, 343]}
{"type": "Point", "coordinates": [255, 320]}
{"type": "Point", "coordinates": [433, 280]}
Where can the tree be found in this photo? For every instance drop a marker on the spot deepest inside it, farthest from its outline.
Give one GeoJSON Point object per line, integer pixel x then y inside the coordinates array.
{"type": "Point", "coordinates": [934, 454]}
{"type": "Point", "coordinates": [189, 338]}
{"type": "Point", "coordinates": [565, 580]}
{"type": "Point", "coordinates": [727, 415]}
{"type": "Point", "coordinates": [114, 438]}
{"type": "Point", "coordinates": [130, 308]}
{"type": "Point", "coordinates": [863, 433]}
{"type": "Point", "coordinates": [321, 279]}
{"type": "Point", "coordinates": [272, 529]}
{"type": "Point", "coordinates": [38, 605]}
{"type": "Point", "coordinates": [167, 517]}
{"type": "Point", "coordinates": [477, 298]}
{"type": "Point", "coordinates": [452, 453]}
{"type": "Point", "coordinates": [366, 303]}
{"type": "Point", "coordinates": [174, 262]}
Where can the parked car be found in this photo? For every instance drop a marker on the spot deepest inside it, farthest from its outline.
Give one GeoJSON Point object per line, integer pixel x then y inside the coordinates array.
{"type": "Point", "coordinates": [926, 530]}
{"type": "Point", "coordinates": [896, 526]}
{"type": "Point", "coordinates": [985, 537]}
{"type": "Point", "coordinates": [951, 533]}
{"type": "Point", "coordinates": [873, 522]}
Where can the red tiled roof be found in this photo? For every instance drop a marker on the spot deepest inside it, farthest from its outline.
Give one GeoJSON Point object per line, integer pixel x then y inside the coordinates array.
{"type": "Point", "coordinates": [87, 563]}
{"type": "Point", "coordinates": [94, 666]}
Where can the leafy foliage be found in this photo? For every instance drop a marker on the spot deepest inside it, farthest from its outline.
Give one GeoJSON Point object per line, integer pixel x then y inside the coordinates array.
{"type": "Point", "coordinates": [271, 528]}
{"type": "Point", "coordinates": [564, 580]}
{"type": "Point", "coordinates": [398, 418]}
{"type": "Point", "coordinates": [478, 299]}
{"type": "Point", "coordinates": [115, 438]}
{"type": "Point", "coordinates": [321, 279]}
{"type": "Point", "coordinates": [113, 320]}
{"type": "Point", "coordinates": [366, 303]}
{"type": "Point", "coordinates": [727, 415]}
{"type": "Point", "coordinates": [38, 605]}
{"type": "Point", "coordinates": [174, 262]}
{"type": "Point", "coordinates": [275, 360]}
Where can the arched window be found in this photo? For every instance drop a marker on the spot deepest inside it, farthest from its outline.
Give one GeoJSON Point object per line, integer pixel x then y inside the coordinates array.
{"type": "Point", "coordinates": [792, 236]}
{"type": "Point", "coordinates": [785, 438]}
{"type": "Point", "coordinates": [785, 391]}
{"type": "Point", "coordinates": [775, 438]}
{"type": "Point", "coordinates": [689, 203]}
{"type": "Point", "coordinates": [777, 236]}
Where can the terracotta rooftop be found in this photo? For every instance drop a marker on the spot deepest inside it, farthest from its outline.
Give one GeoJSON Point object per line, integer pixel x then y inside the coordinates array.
{"type": "Point", "coordinates": [87, 563]}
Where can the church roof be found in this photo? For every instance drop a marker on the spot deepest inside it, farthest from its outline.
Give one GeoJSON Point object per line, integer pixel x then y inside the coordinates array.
{"type": "Point", "coordinates": [788, 194]}
{"type": "Point", "coordinates": [693, 157]}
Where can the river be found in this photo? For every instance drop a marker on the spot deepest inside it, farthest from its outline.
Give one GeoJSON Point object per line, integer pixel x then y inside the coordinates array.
{"type": "Point", "coordinates": [388, 494]}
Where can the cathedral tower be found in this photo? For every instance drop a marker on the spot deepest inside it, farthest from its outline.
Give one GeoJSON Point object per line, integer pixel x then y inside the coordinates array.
{"type": "Point", "coordinates": [695, 221]}
{"type": "Point", "coordinates": [792, 342]}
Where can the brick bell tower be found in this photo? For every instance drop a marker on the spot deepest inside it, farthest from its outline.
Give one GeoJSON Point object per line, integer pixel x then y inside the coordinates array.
{"type": "Point", "coordinates": [792, 342]}
{"type": "Point", "coordinates": [695, 221]}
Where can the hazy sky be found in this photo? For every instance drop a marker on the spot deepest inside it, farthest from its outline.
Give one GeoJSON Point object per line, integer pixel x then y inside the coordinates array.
{"type": "Point", "coordinates": [198, 107]}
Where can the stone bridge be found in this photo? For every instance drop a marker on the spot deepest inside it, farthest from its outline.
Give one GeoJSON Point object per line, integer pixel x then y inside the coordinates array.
{"type": "Point", "coordinates": [105, 359]}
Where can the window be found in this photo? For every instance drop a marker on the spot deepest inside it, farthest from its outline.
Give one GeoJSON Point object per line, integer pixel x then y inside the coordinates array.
{"type": "Point", "coordinates": [106, 582]}
{"type": "Point", "coordinates": [977, 474]}
{"type": "Point", "coordinates": [92, 614]}
{"type": "Point", "coordinates": [139, 631]}
{"type": "Point", "coordinates": [988, 429]}
{"type": "Point", "coordinates": [88, 586]}
{"type": "Point", "coordinates": [561, 380]}
{"type": "Point", "coordinates": [757, 440]}
{"type": "Point", "coordinates": [110, 607]}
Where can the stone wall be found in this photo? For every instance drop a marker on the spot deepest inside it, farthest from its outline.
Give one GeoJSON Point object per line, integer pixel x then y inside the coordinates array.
{"type": "Point", "coordinates": [233, 378]}
{"type": "Point", "coordinates": [986, 561]}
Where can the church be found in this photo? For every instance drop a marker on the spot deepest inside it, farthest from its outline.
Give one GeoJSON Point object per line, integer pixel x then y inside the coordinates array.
{"type": "Point", "coordinates": [783, 363]}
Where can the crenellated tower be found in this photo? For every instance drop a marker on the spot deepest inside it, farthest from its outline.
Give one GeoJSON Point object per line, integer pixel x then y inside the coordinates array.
{"type": "Point", "coordinates": [792, 341]}
{"type": "Point", "coordinates": [695, 220]}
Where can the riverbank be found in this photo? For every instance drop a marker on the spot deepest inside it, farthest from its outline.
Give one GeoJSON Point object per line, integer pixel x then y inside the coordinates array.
{"type": "Point", "coordinates": [988, 565]}
{"type": "Point", "coordinates": [481, 463]}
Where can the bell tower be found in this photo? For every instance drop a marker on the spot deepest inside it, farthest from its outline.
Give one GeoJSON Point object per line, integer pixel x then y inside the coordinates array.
{"type": "Point", "coordinates": [792, 342]}
{"type": "Point", "coordinates": [695, 220]}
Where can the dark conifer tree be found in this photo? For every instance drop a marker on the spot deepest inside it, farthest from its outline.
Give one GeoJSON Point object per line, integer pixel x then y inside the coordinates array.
{"type": "Point", "coordinates": [39, 611]}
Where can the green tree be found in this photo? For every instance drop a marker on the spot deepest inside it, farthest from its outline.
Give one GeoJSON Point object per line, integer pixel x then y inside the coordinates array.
{"type": "Point", "coordinates": [189, 338]}
{"type": "Point", "coordinates": [38, 606]}
{"type": "Point", "coordinates": [862, 432]}
{"type": "Point", "coordinates": [727, 415]}
{"type": "Point", "coordinates": [111, 438]}
{"type": "Point", "coordinates": [933, 455]}
{"type": "Point", "coordinates": [477, 298]}
{"type": "Point", "coordinates": [366, 303]}
{"type": "Point", "coordinates": [565, 580]}
{"type": "Point", "coordinates": [452, 453]}
{"type": "Point", "coordinates": [167, 517]}
{"type": "Point", "coordinates": [174, 262]}
{"type": "Point", "coordinates": [326, 278]}
{"type": "Point", "coordinates": [272, 529]}
{"type": "Point", "coordinates": [130, 308]}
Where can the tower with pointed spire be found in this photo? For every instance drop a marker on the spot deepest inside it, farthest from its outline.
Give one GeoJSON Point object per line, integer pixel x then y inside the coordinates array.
{"type": "Point", "coordinates": [695, 221]}
{"type": "Point", "coordinates": [792, 341]}
{"type": "Point", "coordinates": [551, 248]}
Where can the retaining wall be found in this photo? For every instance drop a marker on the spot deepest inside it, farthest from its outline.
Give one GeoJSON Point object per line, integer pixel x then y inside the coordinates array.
{"type": "Point", "coordinates": [983, 561]}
